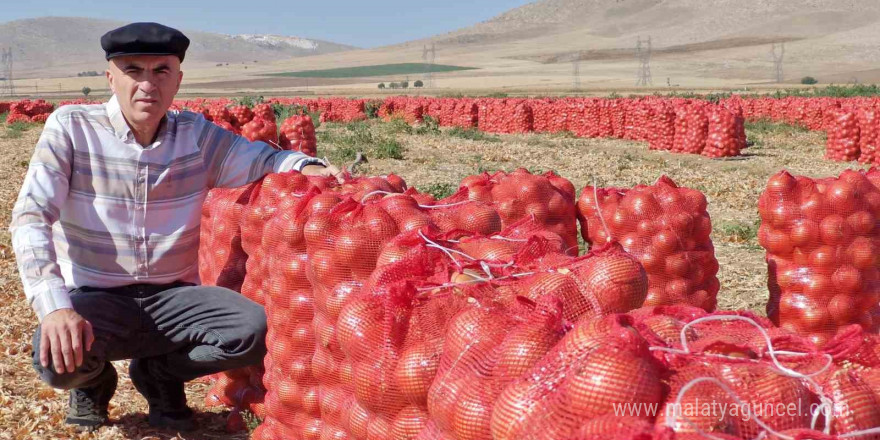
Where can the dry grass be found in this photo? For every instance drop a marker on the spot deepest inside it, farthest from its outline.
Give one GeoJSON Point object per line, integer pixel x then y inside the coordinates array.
{"type": "Point", "coordinates": [31, 410]}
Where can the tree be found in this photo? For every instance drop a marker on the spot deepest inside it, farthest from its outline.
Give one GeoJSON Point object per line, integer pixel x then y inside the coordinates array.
{"type": "Point", "coordinates": [404, 84]}
{"type": "Point", "coordinates": [809, 80]}
{"type": "Point", "coordinates": [86, 91]}
{"type": "Point", "coordinates": [381, 85]}
{"type": "Point", "coordinates": [418, 83]}
{"type": "Point", "coordinates": [394, 85]}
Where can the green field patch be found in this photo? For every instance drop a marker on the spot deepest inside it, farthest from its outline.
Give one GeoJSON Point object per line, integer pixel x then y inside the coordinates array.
{"type": "Point", "coordinates": [377, 70]}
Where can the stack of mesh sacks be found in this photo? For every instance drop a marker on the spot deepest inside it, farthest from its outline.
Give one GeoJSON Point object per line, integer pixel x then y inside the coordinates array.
{"type": "Point", "coordinates": [726, 132]}
{"type": "Point", "coordinates": [222, 262]}
{"type": "Point", "coordinates": [323, 254]}
{"type": "Point", "coordinates": [667, 228]}
{"type": "Point", "coordinates": [821, 238]}
{"type": "Point", "coordinates": [415, 307]}
{"type": "Point", "coordinates": [232, 222]}
{"type": "Point", "coordinates": [505, 115]}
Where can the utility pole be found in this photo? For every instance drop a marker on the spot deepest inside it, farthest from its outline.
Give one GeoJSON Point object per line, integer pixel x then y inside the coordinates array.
{"type": "Point", "coordinates": [7, 84]}
{"type": "Point", "coordinates": [576, 72]}
{"type": "Point", "coordinates": [428, 56]}
{"type": "Point", "coordinates": [777, 60]}
{"type": "Point", "coordinates": [643, 52]}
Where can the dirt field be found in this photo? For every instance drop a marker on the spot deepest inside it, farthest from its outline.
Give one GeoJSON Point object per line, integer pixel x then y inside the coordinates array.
{"type": "Point", "coordinates": [30, 410]}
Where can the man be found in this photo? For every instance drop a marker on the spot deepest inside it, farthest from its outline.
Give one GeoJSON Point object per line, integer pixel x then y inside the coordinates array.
{"type": "Point", "coordinates": [106, 234]}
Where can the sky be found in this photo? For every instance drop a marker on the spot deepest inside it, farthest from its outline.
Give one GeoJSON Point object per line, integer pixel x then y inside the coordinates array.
{"type": "Point", "coordinates": [358, 23]}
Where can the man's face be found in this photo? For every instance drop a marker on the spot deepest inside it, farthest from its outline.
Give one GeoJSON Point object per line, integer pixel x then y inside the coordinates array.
{"type": "Point", "coordinates": [145, 86]}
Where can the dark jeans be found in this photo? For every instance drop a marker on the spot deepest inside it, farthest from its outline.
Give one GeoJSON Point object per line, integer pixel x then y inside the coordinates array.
{"type": "Point", "coordinates": [187, 331]}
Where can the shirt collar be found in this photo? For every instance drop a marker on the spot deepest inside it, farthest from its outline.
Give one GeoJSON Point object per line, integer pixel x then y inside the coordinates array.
{"type": "Point", "coordinates": [117, 120]}
{"type": "Point", "coordinates": [120, 126]}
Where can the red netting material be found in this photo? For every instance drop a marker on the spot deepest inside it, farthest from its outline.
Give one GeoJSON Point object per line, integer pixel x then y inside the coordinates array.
{"type": "Point", "coordinates": [843, 136]}
{"type": "Point", "coordinates": [667, 228]}
{"type": "Point", "coordinates": [488, 345]}
{"type": "Point", "coordinates": [869, 129]}
{"type": "Point", "coordinates": [821, 240]}
{"type": "Point", "coordinates": [599, 363]}
{"type": "Point", "coordinates": [548, 199]}
{"type": "Point", "coordinates": [691, 128]}
{"type": "Point", "coordinates": [222, 263]}
{"type": "Point", "coordinates": [736, 394]}
{"type": "Point", "coordinates": [221, 258]}
{"type": "Point", "coordinates": [298, 134]}
{"type": "Point", "coordinates": [724, 130]}
{"type": "Point", "coordinates": [662, 132]}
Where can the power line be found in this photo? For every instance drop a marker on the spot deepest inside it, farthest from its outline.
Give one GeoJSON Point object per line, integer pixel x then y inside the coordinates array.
{"type": "Point", "coordinates": [643, 52]}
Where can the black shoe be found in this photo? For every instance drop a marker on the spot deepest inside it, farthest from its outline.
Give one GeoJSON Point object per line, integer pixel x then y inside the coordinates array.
{"type": "Point", "coordinates": [166, 399]}
{"type": "Point", "coordinates": [88, 406]}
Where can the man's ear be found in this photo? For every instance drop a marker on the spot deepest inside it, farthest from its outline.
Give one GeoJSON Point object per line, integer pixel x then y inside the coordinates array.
{"type": "Point", "coordinates": [109, 76]}
{"type": "Point", "coordinates": [179, 81]}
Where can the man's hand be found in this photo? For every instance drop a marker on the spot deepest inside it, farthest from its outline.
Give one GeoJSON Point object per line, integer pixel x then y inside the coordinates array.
{"type": "Point", "coordinates": [319, 170]}
{"type": "Point", "coordinates": [64, 333]}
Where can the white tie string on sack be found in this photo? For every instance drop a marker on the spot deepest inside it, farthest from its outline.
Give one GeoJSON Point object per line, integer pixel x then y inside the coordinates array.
{"type": "Point", "coordinates": [677, 408]}
{"type": "Point", "coordinates": [479, 280]}
{"type": "Point", "coordinates": [503, 238]}
{"type": "Point", "coordinates": [608, 238]}
{"type": "Point", "coordinates": [826, 406]}
{"type": "Point", "coordinates": [671, 422]}
{"type": "Point", "coordinates": [448, 205]}
{"type": "Point", "coordinates": [445, 250]}
{"type": "Point", "coordinates": [377, 192]}
{"type": "Point", "coordinates": [483, 265]}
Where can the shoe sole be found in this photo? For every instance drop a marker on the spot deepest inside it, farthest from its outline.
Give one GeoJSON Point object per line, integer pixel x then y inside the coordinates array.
{"type": "Point", "coordinates": [85, 425]}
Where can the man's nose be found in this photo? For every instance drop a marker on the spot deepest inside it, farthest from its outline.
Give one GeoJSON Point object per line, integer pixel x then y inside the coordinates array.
{"type": "Point", "coordinates": [147, 86]}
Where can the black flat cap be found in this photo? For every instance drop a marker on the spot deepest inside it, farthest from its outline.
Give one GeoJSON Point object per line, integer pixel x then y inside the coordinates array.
{"type": "Point", "coordinates": [144, 39]}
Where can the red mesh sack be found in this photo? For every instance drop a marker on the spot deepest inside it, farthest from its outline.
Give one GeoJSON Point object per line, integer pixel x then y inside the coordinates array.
{"type": "Point", "coordinates": [600, 363]}
{"type": "Point", "coordinates": [264, 111]}
{"type": "Point", "coordinates": [667, 228]}
{"type": "Point", "coordinates": [691, 128]}
{"type": "Point", "coordinates": [221, 258]}
{"type": "Point", "coordinates": [820, 237]}
{"type": "Point", "coordinates": [728, 397]}
{"type": "Point", "coordinates": [612, 427]}
{"type": "Point", "coordinates": [241, 114]}
{"type": "Point", "coordinates": [606, 280]}
{"type": "Point", "coordinates": [466, 114]}
{"type": "Point", "coordinates": [661, 134]}
{"type": "Point", "coordinates": [869, 129]}
{"type": "Point", "coordinates": [298, 134]}
{"type": "Point", "coordinates": [487, 346]}
{"type": "Point", "coordinates": [548, 199]}
{"type": "Point", "coordinates": [856, 406]}
{"type": "Point", "coordinates": [222, 262]}
{"type": "Point", "coordinates": [723, 139]}
{"type": "Point", "coordinates": [259, 129]}
{"type": "Point", "coordinates": [853, 346]}
{"type": "Point", "coordinates": [843, 136]}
